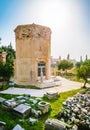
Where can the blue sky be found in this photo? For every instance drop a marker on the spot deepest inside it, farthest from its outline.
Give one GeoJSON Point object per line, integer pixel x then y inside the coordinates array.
{"type": "Point", "coordinates": [69, 21]}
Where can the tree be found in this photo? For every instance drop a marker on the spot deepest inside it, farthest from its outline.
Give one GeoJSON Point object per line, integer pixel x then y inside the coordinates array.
{"type": "Point", "coordinates": [78, 64]}
{"type": "Point", "coordinates": [83, 71]}
{"type": "Point", "coordinates": [65, 64]}
{"type": "Point", "coordinates": [68, 57]}
{"type": "Point", "coordinates": [10, 53]}
{"type": "Point", "coordinates": [81, 59]}
{"type": "Point", "coordinates": [86, 57]}
{"type": "Point", "coordinates": [6, 71]}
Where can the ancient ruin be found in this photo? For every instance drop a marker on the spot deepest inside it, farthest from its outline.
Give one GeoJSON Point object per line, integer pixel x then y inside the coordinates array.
{"type": "Point", "coordinates": [33, 52]}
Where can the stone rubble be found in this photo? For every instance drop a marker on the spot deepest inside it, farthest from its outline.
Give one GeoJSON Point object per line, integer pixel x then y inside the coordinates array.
{"type": "Point", "coordinates": [2, 125]}
{"type": "Point", "coordinates": [76, 110]}
{"type": "Point", "coordinates": [52, 95]}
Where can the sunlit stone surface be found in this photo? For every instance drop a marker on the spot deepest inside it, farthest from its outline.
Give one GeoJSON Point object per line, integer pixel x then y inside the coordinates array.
{"type": "Point", "coordinates": [33, 52]}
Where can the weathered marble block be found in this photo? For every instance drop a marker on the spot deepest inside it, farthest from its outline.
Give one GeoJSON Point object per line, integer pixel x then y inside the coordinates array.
{"type": "Point", "coordinates": [17, 127]}
{"type": "Point", "coordinates": [9, 104]}
{"type": "Point", "coordinates": [22, 110]}
{"type": "Point", "coordinates": [2, 100]}
{"type": "Point", "coordinates": [44, 107]}
{"type": "Point", "coordinates": [32, 121]}
{"type": "Point", "coordinates": [36, 113]}
{"type": "Point", "coordinates": [54, 124]}
{"type": "Point", "coordinates": [52, 95]}
{"type": "Point", "coordinates": [20, 97]}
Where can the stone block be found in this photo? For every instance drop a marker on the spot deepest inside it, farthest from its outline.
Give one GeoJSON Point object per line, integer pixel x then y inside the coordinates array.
{"type": "Point", "coordinates": [9, 104]}
{"type": "Point", "coordinates": [17, 127]}
{"type": "Point", "coordinates": [44, 106]}
{"type": "Point", "coordinates": [32, 121]}
{"type": "Point", "coordinates": [22, 110]}
{"type": "Point", "coordinates": [2, 125]}
{"type": "Point", "coordinates": [2, 100]}
{"type": "Point", "coordinates": [54, 124]}
{"type": "Point", "coordinates": [36, 113]}
{"type": "Point", "coordinates": [52, 95]}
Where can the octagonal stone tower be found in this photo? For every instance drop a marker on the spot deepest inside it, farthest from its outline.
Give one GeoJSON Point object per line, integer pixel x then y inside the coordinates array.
{"type": "Point", "coordinates": [33, 52]}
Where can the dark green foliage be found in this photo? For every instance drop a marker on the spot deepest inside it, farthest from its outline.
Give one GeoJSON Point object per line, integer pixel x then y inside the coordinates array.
{"type": "Point", "coordinates": [6, 70]}
{"type": "Point", "coordinates": [78, 64]}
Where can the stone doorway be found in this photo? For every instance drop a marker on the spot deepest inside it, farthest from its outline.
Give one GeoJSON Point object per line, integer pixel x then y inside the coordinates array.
{"type": "Point", "coordinates": [41, 68]}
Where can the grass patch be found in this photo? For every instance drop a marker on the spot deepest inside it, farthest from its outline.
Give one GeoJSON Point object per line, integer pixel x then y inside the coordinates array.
{"type": "Point", "coordinates": [56, 105]}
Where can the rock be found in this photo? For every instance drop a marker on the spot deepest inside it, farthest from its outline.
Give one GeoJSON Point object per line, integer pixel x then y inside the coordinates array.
{"type": "Point", "coordinates": [73, 119]}
{"type": "Point", "coordinates": [33, 100]}
{"type": "Point", "coordinates": [75, 127]}
{"type": "Point", "coordinates": [2, 100]}
{"type": "Point", "coordinates": [76, 110]}
{"type": "Point", "coordinates": [9, 104]}
{"type": "Point", "coordinates": [22, 110]}
{"type": "Point", "coordinates": [2, 125]}
{"type": "Point", "coordinates": [33, 121]}
{"type": "Point", "coordinates": [20, 97]}
{"type": "Point", "coordinates": [64, 104]}
{"type": "Point", "coordinates": [36, 113]}
{"type": "Point", "coordinates": [44, 106]}
{"type": "Point", "coordinates": [52, 95]}
{"type": "Point", "coordinates": [54, 124]}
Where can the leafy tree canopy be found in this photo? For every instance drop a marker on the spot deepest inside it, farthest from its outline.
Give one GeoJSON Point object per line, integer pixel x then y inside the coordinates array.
{"type": "Point", "coordinates": [6, 70]}
{"type": "Point", "coordinates": [83, 71]}
{"type": "Point", "coordinates": [65, 64]}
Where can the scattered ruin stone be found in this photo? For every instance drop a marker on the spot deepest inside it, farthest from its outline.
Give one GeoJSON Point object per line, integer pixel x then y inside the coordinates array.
{"type": "Point", "coordinates": [54, 124]}
{"type": "Point", "coordinates": [2, 100]}
{"type": "Point", "coordinates": [52, 95]}
{"type": "Point", "coordinates": [21, 101]}
{"type": "Point", "coordinates": [36, 113]}
{"type": "Point", "coordinates": [23, 110]}
{"type": "Point", "coordinates": [32, 121]}
{"type": "Point", "coordinates": [9, 104]}
{"type": "Point", "coordinates": [17, 127]}
{"type": "Point", "coordinates": [44, 107]}
{"type": "Point", "coordinates": [75, 127]}
{"type": "Point", "coordinates": [20, 97]}
{"type": "Point", "coordinates": [27, 96]}
{"type": "Point", "coordinates": [33, 100]}
{"type": "Point", "coordinates": [76, 110]}
{"type": "Point", "coordinates": [2, 125]}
